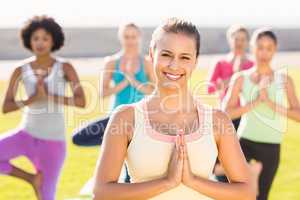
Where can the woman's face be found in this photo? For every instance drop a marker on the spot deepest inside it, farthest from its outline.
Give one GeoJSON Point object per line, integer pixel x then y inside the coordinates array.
{"type": "Point", "coordinates": [130, 38]}
{"type": "Point", "coordinates": [174, 59]}
{"type": "Point", "coordinates": [264, 50]}
{"type": "Point", "coordinates": [41, 42]}
{"type": "Point", "coordinates": [239, 42]}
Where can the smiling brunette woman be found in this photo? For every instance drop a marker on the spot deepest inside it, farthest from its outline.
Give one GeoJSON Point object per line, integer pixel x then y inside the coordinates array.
{"type": "Point", "coordinates": [169, 140]}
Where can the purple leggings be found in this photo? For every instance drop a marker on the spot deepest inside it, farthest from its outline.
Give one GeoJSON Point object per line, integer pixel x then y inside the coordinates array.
{"type": "Point", "coordinates": [46, 155]}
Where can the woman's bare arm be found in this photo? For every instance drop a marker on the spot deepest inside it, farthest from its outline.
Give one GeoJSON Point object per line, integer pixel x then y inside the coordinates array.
{"type": "Point", "coordinates": [241, 187]}
{"type": "Point", "coordinates": [10, 103]}
{"type": "Point", "coordinates": [107, 89]}
{"type": "Point", "coordinates": [78, 98]}
{"type": "Point", "coordinates": [113, 153]}
{"type": "Point", "coordinates": [293, 111]}
{"type": "Point", "coordinates": [232, 108]}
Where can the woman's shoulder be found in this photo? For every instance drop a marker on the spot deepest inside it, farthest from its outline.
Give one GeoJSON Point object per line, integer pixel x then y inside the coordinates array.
{"type": "Point", "coordinates": [215, 112]}
{"type": "Point", "coordinates": [204, 108]}
{"type": "Point", "coordinates": [282, 78]}
{"type": "Point", "coordinates": [112, 59]}
{"type": "Point", "coordinates": [221, 123]}
{"type": "Point", "coordinates": [20, 66]}
{"type": "Point", "coordinates": [209, 109]}
{"type": "Point", "coordinates": [223, 62]}
{"type": "Point", "coordinates": [249, 62]}
{"type": "Point", "coordinates": [219, 120]}
{"type": "Point", "coordinates": [243, 73]}
{"type": "Point", "coordinates": [24, 62]}
{"type": "Point", "coordinates": [124, 112]}
{"type": "Point", "coordinates": [218, 114]}
{"type": "Point", "coordinates": [123, 120]}
{"type": "Point", "coordinates": [17, 72]}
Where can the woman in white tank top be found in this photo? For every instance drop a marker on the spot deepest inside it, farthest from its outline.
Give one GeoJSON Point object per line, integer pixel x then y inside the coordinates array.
{"type": "Point", "coordinates": [41, 135]}
{"type": "Point", "coordinates": [169, 140]}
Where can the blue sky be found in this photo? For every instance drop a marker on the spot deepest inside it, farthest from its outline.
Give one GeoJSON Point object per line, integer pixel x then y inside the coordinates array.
{"type": "Point", "coordinates": [95, 13]}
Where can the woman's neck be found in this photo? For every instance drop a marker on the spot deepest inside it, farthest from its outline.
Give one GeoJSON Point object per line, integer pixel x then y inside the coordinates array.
{"type": "Point", "coordinates": [174, 100]}
{"type": "Point", "coordinates": [43, 61]}
{"type": "Point", "coordinates": [130, 54]}
{"type": "Point", "coordinates": [233, 55]}
{"type": "Point", "coordinates": [264, 69]}
{"type": "Point", "coordinates": [240, 53]}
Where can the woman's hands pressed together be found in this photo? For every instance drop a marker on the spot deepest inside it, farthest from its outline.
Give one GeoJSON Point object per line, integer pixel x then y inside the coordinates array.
{"type": "Point", "coordinates": [174, 175]}
{"type": "Point", "coordinates": [179, 166]}
{"type": "Point", "coordinates": [41, 92]}
{"type": "Point", "coordinates": [263, 85]}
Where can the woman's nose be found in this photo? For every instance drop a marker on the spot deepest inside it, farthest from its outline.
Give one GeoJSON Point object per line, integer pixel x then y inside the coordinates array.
{"type": "Point", "coordinates": [174, 63]}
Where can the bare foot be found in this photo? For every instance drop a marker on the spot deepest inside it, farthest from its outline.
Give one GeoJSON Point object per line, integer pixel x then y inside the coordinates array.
{"type": "Point", "coordinates": [256, 170]}
{"type": "Point", "coordinates": [36, 184]}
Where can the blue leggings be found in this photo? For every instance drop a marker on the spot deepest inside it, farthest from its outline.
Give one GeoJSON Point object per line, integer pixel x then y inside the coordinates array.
{"type": "Point", "coordinates": [92, 134]}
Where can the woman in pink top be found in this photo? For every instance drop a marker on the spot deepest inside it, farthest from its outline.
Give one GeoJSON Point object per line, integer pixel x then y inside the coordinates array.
{"type": "Point", "coordinates": [236, 60]}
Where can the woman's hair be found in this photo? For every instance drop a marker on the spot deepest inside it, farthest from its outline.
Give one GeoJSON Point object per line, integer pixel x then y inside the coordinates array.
{"type": "Point", "coordinates": [46, 23]}
{"type": "Point", "coordinates": [235, 29]}
{"type": "Point", "coordinates": [175, 25]}
{"type": "Point", "coordinates": [128, 25]}
{"type": "Point", "coordinates": [263, 32]}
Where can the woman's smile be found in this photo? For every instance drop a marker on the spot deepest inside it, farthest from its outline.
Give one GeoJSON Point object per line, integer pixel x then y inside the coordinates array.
{"type": "Point", "coordinates": [173, 76]}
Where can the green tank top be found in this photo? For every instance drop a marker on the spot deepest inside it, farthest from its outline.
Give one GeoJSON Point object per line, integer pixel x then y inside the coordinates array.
{"type": "Point", "coordinates": [262, 124]}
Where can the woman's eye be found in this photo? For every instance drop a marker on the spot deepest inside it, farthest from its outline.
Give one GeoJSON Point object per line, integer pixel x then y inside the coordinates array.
{"type": "Point", "coordinates": [165, 55]}
{"type": "Point", "coordinates": [186, 58]}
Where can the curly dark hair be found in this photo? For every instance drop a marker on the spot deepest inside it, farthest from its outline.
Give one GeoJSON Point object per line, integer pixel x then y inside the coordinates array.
{"type": "Point", "coordinates": [46, 23]}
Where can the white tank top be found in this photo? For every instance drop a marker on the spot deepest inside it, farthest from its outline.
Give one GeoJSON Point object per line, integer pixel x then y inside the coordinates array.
{"type": "Point", "coordinates": [44, 119]}
{"type": "Point", "coordinates": [149, 152]}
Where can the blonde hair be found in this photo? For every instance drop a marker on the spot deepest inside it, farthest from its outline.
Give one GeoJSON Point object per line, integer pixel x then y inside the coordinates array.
{"type": "Point", "coordinates": [122, 27]}
{"type": "Point", "coordinates": [235, 29]}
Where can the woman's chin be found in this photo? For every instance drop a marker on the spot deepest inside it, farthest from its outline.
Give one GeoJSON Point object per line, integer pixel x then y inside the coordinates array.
{"type": "Point", "coordinates": [172, 86]}
{"type": "Point", "coordinates": [41, 54]}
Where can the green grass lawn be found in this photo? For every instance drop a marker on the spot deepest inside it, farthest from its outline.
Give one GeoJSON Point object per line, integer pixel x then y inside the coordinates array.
{"type": "Point", "coordinates": [80, 162]}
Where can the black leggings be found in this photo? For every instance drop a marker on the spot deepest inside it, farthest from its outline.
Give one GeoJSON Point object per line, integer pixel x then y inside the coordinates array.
{"type": "Point", "coordinates": [269, 156]}
{"type": "Point", "coordinates": [92, 134]}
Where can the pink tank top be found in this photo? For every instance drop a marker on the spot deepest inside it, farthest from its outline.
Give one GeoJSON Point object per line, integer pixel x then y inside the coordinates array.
{"type": "Point", "coordinates": [149, 152]}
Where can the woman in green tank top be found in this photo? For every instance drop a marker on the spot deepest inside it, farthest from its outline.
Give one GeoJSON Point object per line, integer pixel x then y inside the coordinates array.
{"type": "Point", "coordinates": [263, 92]}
